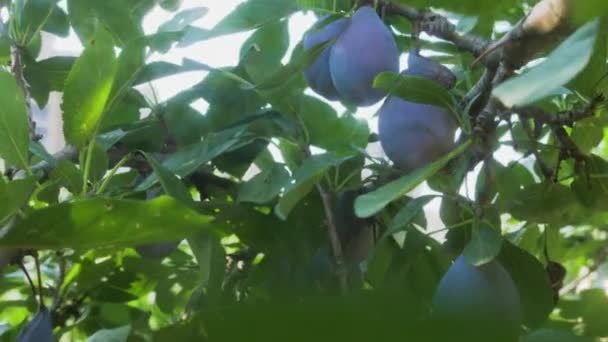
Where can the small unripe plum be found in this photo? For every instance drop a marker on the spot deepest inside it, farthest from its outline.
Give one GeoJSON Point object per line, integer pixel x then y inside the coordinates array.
{"type": "Point", "coordinates": [39, 329]}
{"type": "Point", "coordinates": [365, 48]}
{"type": "Point", "coordinates": [157, 250]}
{"type": "Point", "coordinates": [414, 134]}
{"type": "Point", "coordinates": [477, 303]}
{"type": "Point", "coordinates": [317, 74]}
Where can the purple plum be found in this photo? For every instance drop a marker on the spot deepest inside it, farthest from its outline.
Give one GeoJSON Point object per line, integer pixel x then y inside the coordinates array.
{"type": "Point", "coordinates": [317, 73]}
{"type": "Point", "coordinates": [39, 329]}
{"type": "Point", "coordinates": [364, 49]}
{"type": "Point", "coordinates": [479, 303]}
{"type": "Point", "coordinates": [414, 134]}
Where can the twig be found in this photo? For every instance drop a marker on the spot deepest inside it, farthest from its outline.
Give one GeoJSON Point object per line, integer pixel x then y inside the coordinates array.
{"type": "Point", "coordinates": [39, 275]}
{"type": "Point", "coordinates": [545, 169]}
{"type": "Point", "coordinates": [29, 280]}
{"type": "Point", "coordinates": [57, 295]}
{"type": "Point", "coordinates": [573, 285]}
{"type": "Point", "coordinates": [334, 239]}
{"type": "Point", "coordinates": [567, 118]}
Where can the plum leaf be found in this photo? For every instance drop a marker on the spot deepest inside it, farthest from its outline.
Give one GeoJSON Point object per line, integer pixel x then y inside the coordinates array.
{"type": "Point", "coordinates": [560, 67]}
{"type": "Point", "coordinates": [373, 202]}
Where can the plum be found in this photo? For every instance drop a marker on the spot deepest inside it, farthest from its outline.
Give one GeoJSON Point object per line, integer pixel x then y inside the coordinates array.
{"type": "Point", "coordinates": [317, 73]}
{"type": "Point", "coordinates": [477, 303]}
{"type": "Point", "coordinates": [157, 250]}
{"type": "Point", "coordinates": [39, 329]}
{"type": "Point", "coordinates": [365, 48]}
{"type": "Point", "coordinates": [414, 134]}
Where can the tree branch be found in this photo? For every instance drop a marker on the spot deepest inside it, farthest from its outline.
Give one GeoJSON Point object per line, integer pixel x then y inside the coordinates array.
{"type": "Point", "coordinates": [334, 239]}
{"type": "Point", "coordinates": [567, 118]}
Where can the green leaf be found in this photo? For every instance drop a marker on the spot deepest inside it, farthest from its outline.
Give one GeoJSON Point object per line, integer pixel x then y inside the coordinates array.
{"type": "Point", "coordinates": [253, 14]}
{"type": "Point", "coordinates": [265, 186]}
{"type": "Point", "coordinates": [595, 309]}
{"type": "Point", "coordinates": [407, 215]}
{"type": "Point", "coordinates": [484, 246]}
{"type": "Point", "coordinates": [28, 19]}
{"type": "Point", "coordinates": [14, 127]}
{"type": "Point", "coordinates": [68, 175]}
{"type": "Point", "coordinates": [304, 180]}
{"type": "Point", "coordinates": [172, 185]}
{"type": "Point", "coordinates": [183, 18]}
{"type": "Point", "coordinates": [188, 160]}
{"type": "Point", "coordinates": [262, 53]}
{"type": "Point", "coordinates": [532, 281]}
{"type": "Point", "coordinates": [129, 65]}
{"type": "Point", "coordinates": [155, 70]}
{"type": "Point", "coordinates": [120, 334]}
{"type": "Point", "coordinates": [560, 67]}
{"type": "Point", "coordinates": [468, 7]}
{"type": "Point", "coordinates": [122, 18]}
{"type": "Point", "coordinates": [13, 195]}
{"type": "Point", "coordinates": [369, 204]}
{"type": "Point", "coordinates": [100, 222]}
{"type": "Point", "coordinates": [292, 69]}
{"type": "Point", "coordinates": [87, 89]}
{"type": "Point", "coordinates": [210, 256]}
{"type": "Point", "coordinates": [554, 335]}
{"type": "Point", "coordinates": [414, 89]}
{"type": "Point", "coordinates": [328, 131]}
{"type": "Point", "coordinates": [58, 22]}
{"type": "Point", "coordinates": [547, 203]}
{"type": "Point", "coordinates": [326, 5]}
{"type": "Point", "coordinates": [47, 75]}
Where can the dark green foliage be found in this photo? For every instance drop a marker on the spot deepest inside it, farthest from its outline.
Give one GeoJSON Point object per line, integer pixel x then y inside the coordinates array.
{"type": "Point", "coordinates": [206, 215]}
{"type": "Point", "coordinates": [158, 250]}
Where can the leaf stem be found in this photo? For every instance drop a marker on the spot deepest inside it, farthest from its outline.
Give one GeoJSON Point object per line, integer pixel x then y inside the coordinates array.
{"type": "Point", "coordinates": [107, 180]}
{"type": "Point", "coordinates": [87, 166]}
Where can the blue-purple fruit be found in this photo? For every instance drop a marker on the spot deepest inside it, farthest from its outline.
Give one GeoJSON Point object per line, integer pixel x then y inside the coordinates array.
{"type": "Point", "coordinates": [345, 71]}
{"type": "Point", "coordinates": [477, 303]}
{"type": "Point", "coordinates": [39, 329]}
{"type": "Point", "coordinates": [414, 134]}
{"type": "Point", "coordinates": [365, 48]}
{"type": "Point", "coordinates": [317, 74]}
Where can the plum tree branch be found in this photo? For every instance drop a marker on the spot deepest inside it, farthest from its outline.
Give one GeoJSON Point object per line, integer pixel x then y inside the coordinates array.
{"type": "Point", "coordinates": [567, 118]}
{"type": "Point", "coordinates": [332, 231]}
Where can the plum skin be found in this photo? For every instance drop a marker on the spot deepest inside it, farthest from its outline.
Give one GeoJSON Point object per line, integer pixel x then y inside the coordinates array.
{"type": "Point", "coordinates": [39, 329]}
{"type": "Point", "coordinates": [480, 303]}
{"type": "Point", "coordinates": [317, 74]}
{"type": "Point", "coordinates": [414, 134]}
{"type": "Point", "coordinates": [364, 49]}
{"type": "Point", "coordinates": [157, 250]}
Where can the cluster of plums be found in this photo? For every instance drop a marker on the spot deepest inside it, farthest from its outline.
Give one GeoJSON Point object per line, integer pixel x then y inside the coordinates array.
{"type": "Point", "coordinates": [364, 47]}
{"type": "Point", "coordinates": [411, 134]}
{"type": "Point", "coordinates": [477, 303]}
